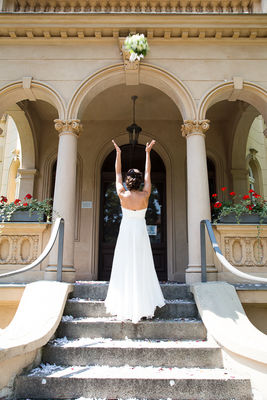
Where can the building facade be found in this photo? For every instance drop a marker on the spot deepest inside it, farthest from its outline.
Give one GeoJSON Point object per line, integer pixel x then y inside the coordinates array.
{"type": "Point", "coordinates": [66, 88]}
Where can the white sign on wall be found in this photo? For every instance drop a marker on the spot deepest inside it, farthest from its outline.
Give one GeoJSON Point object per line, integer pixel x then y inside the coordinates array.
{"type": "Point", "coordinates": [87, 204]}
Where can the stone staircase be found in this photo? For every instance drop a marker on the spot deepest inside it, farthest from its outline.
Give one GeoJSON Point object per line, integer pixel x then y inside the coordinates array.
{"type": "Point", "coordinates": [95, 356]}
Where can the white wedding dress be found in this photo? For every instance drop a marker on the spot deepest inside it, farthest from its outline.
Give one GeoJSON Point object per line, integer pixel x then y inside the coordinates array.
{"type": "Point", "coordinates": [134, 291]}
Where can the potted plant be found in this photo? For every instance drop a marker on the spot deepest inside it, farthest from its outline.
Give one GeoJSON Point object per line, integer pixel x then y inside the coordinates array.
{"type": "Point", "coordinates": [28, 210]}
{"type": "Point", "coordinates": [250, 208]}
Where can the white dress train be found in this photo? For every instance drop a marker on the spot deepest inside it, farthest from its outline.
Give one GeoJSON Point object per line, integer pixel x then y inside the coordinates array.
{"type": "Point", "coordinates": [134, 291]}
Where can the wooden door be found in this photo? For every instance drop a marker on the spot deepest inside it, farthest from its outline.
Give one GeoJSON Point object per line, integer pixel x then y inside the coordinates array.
{"type": "Point", "coordinates": [110, 210]}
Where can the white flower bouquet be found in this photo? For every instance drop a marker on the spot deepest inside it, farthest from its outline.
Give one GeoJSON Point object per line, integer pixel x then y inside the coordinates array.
{"type": "Point", "coordinates": [137, 46]}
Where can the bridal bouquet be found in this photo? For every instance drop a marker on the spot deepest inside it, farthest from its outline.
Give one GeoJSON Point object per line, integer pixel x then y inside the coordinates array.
{"type": "Point", "coordinates": [137, 46]}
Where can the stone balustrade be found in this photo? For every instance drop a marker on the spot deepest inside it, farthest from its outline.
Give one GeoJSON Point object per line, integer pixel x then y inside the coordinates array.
{"type": "Point", "coordinates": [20, 245]}
{"type": "Point", "coordinates": [133, 6]}
{"type": "Point", "coordinates": [245, 247]}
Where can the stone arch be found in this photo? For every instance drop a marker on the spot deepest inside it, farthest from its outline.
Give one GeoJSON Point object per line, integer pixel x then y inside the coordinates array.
{"type": "Point", "coordinates": [251, 93]}
{"type": "Point", "coordinates": [14, 92]}
{"type": "Point", "coordinates": [148, 74]}
{"type": "Point", "coordinates": [107, 147]}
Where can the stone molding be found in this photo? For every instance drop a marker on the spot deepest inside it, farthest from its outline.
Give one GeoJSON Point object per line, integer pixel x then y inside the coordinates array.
{"type": "Point", "coordinates": [133, 6]}
{"type": "Point", "coordinates": [68, 127]}
{"type": "Point", "coordinates": [193, 127]}
{"type": "Point", "coordinates": [93, 26]}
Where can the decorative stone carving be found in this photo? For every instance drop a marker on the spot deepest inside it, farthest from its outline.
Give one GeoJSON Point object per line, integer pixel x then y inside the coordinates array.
{"type": "Point", "coordinates": [143, 6]}
{"type": "Point", "coordinates": [68, 127]}
{"type": "Point", "coordinates": [131, 68]}
{"type": "Point", "coordinates": [19, 249]}
{"type": "Point", "coordinates": [20, 245]}
{"type": "Point", "coordinates": [193, 127]}
{"type": "Point", "coordinates": [241, 245]}
{"type": "Point", "coordinates": [243, 248]}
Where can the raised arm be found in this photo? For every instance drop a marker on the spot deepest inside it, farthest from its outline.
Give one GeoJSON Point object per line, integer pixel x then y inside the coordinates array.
{"type": "Point", "coordinates": [147, 178]}
{"type": "Point", "coordinates": [119, 185]}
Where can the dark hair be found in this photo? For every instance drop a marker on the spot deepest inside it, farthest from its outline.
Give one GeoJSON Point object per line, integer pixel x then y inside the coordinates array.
{"type": "Point", "coordinates": [133, 179]}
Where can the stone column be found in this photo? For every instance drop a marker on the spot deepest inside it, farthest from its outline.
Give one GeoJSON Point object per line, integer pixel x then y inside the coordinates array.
{"type": "Point", "coordinates": [198, 202]}
{"type": "Point", "coordinates": [25, 182]}
{"type": "Point", "coordinates": [65, 195]}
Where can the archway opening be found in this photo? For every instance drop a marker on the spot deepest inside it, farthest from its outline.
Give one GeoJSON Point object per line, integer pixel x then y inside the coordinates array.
{"type": "Point", "coordinates": [110, 215]}
{"type": "Point", "coordinates": [236, 137]}
{"type": "Point", "coordinates": [106, 117]}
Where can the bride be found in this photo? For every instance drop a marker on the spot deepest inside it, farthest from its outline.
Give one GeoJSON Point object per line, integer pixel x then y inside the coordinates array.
{"type": "Point", "coordinates": [134, 291]}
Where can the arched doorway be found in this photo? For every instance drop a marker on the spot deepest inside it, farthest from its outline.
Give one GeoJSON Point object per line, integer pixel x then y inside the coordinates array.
{"type": "Point", "coordinates": [110, 211]}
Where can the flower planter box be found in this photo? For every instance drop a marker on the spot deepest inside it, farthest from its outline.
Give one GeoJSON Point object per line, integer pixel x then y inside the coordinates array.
{"type": "Point", "coordinates": [25, 216]}
{"type": "Point", "coordinates": [244, 219]}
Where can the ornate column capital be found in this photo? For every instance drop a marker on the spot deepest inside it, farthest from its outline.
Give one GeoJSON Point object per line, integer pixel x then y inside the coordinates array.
{"type": "Point", "coordinates": [193, 127]}
{"type": "Point", "coordinates": [68, 127]}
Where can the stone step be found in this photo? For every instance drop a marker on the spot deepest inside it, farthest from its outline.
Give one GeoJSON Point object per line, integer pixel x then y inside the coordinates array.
{"type": "Point", "coordinates": [96, 308]}
{"type": "Point", "coordinates": [97, 290]}
{"type": "Point", "coordinates": [109, 327]}
{"type": "Point", "coordinates": [132, 382]}
{"type": "Point", "coordinates": [116, 353]}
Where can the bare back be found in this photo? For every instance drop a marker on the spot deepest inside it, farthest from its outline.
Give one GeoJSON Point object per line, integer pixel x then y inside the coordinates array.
{"type": "Point", "coordinates": [134, 199]}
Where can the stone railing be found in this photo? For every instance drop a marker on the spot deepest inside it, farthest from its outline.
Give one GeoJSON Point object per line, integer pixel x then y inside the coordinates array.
{"type": "Point", "coordinates": [134, 6]}
{"type": "Point", "coordinates": [21, 244]}
{"type": "Point", "coordinates": [244, 246]}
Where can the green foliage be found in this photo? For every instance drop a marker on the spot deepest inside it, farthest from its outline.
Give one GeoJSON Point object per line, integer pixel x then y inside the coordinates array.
{"type": "Point", "coordinates": [248, 204]}
{"type": "Point", "coordinates": [29, 204]}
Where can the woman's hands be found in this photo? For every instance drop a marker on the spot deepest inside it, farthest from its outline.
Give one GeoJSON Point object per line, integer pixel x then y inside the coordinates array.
{"type": "Point", "coordinates": [150, 145]}
{"type": "Point", "coordinates": [118, 150]}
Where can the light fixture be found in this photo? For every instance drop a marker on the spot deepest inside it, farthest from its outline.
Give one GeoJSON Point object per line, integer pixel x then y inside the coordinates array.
{"type": "Point", "coordinates": [134, 129]}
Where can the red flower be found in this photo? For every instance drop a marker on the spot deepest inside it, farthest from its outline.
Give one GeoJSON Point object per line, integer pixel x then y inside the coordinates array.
{"type": "Point", "coordinates": [28, 196]}
{"type": "Point", "coordinates": [250, 207]}
{"type": "Point", "coordinates": [232, 193]}
{"type": "Point", "coordinates": [214, 195]}
{"type": "Point", "coordinates": [25, 204]}
{"type": "Point", "coordinates": [17, 201]}
{"type": "Point", "coordinates": [217, 204]}
{"type": "Point", "coordinates": [257, 195]}
{"type": "Point", "coordinates": [223, 188]}
{"type": "Point", "coordinates": [251, 191]}
{"type": "Point", "coordinates": [246, 197]}
{"type": "Point", "coordinates": [3, 199]}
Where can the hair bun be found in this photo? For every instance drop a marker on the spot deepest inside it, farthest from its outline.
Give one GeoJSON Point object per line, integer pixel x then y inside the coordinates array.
{"type": "Point", "coordinates": [133, 179]}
